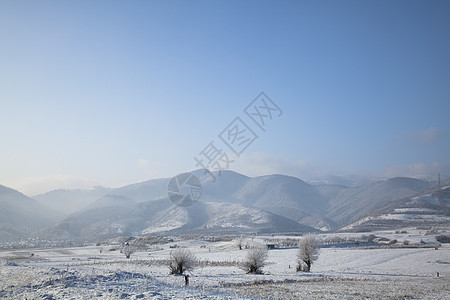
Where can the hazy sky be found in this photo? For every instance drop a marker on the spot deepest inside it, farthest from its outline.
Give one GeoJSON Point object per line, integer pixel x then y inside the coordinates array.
{"type": "Point", "coordinates": [114, 92]}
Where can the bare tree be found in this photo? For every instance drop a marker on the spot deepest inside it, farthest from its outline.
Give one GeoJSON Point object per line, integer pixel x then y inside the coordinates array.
{"type": "Point", "coordinates": [255, 259]}
{"type": "Point", "coordinates": [308, 252]}
{"type": "Point", "coordinates": [181, 260]}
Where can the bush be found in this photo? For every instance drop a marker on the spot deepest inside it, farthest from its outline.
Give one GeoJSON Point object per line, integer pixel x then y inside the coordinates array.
{"type": "Point", "coordinates": [443, 238]}
{"type": "Point", "coordinates": [181, 260]}
{"type": "Point", "coordinates": [255, 260]}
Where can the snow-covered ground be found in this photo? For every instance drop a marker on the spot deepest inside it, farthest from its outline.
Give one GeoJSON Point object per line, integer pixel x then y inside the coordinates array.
{"type": "Point", "coordinates": [350, 273]}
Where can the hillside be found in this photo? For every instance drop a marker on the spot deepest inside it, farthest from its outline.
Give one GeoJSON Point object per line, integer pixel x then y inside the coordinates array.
{"type": "Point", "coordinates": [21, 215]}
{"type": "Point", "coordinates": [233, 203]}
{"type": "Point", "coordinates": [71, 201]}
{"type": "Point", "coordinates": [427, 210]}
{"type": "Point", "coordinates": [352, 204]}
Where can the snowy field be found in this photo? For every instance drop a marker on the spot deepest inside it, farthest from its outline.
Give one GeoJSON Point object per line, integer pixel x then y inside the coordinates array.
{"type": "Point", "coordinates": [102, 272]}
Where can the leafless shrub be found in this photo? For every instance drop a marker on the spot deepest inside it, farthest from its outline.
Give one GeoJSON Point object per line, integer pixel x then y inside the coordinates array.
{"type": "Point", "coordinates": [308, 252]}
{"type": "Point", "coordinates": [255, 259]}
{"type": "Point", "coordinates": [181, 260]}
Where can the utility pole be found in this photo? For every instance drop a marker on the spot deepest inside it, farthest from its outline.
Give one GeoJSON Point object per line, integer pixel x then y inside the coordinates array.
{"type": "Point", "coordinates": [439, 179]}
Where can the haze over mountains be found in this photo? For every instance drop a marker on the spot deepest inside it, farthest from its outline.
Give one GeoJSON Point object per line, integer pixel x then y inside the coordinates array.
{"type": "Point", "coordinates": [233, 203]}
{"type": "Point", "coordinates": [21, 215]}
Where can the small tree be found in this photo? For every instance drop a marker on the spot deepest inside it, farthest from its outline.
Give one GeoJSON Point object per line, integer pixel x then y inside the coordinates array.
{"type": "Point", "coordinates": [181, 260]}
{"type": "Point", "coordinates": [255, 260]}
{"type": "Point", "coordinates": [308, 252]}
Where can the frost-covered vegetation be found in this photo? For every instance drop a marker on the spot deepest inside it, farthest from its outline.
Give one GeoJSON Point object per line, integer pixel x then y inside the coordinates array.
{"type": "Point", "coordinates": [181, 261]}
{"type": "Point", "coordinates": [351, 272]}
{"type": "Point", "coordinates": [308, 252]}
{"type": "Point", "coordinates": [255, 259]}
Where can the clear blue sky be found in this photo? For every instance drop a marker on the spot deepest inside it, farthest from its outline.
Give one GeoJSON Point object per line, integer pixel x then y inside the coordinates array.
{"type": "Point", "coordinates": [114, 92]}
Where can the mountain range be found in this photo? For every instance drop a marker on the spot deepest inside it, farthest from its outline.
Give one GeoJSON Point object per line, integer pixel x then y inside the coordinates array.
{"type": "Point", "coordinates": [20, 215]}
{"type": "Point", "coordinates": [230, 203]}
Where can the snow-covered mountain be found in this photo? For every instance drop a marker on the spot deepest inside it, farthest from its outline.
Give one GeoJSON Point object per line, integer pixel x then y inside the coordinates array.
{"type": "Point", "coordinates": [428, 210]}
{"type": "Point", "coordinates": [21, 215]}
{"type": "Point", "coordinates": [215, 217]}
{"type": "Point", "coordinates": [230, 203]}
{"type": "Point", "coordinates": [351, 204]}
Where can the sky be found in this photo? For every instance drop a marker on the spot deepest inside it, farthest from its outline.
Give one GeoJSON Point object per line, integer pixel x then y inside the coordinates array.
{"type": "Point", "coordinates": [115, 92]}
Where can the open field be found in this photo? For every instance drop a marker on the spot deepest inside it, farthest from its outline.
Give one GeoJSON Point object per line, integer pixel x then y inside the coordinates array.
{"type": "Point", "coordinates": [341, 272]}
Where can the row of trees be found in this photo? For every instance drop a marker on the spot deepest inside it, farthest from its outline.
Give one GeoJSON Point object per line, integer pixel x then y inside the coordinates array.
{"type": "Point", "coordinates": [182, 260]}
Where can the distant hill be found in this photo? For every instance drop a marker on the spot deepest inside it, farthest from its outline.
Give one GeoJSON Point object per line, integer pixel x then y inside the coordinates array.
{"type": "Point", "coordinates": [429, 209]}
{"type": "Point", "coordinates": [286, 196]}
{"type": "Point", "coordinates": [71, 201]}
{"type": "Point", "coordinates": [214, 217]}
{"type": "Point", "coordinates": [21, 215]}
{"type": "Point", "coordinates": [144, 191]}
{"type": "Point", "coordinates": [232, 203]}
{"type": "Point", "coordinates": [351, 204]}
{"type": "Point", "coordinates": [104, 221]}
